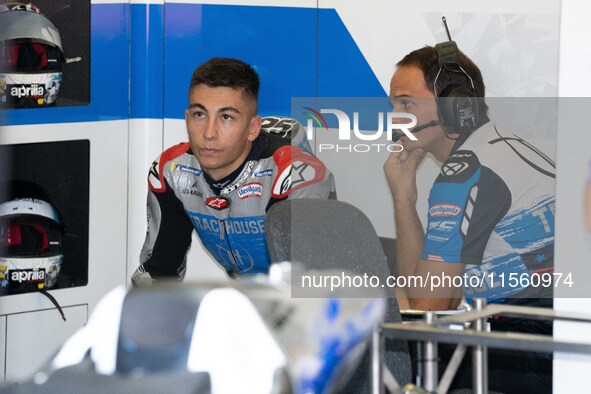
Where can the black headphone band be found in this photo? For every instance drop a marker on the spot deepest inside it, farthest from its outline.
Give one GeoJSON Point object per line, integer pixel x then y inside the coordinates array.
{"type": "Point", "coordinates": [457, 105]}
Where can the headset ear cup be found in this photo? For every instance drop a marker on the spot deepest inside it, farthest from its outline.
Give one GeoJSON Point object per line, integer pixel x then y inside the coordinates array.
{"type": "Point", "coordinates": [458, 109]}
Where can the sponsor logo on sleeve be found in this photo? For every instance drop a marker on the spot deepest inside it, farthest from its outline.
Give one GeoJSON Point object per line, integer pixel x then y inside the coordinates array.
{"type": "Point", "coordinates": [444, 210]}
{"type": "Point", "coordinates": [262, 173]}
{"type": "Point", "coordinates": [296, 169]}
{"type": "Point", "coordinates": [180, 167]}
{"type": "Point", "coordinates": [454, 168]}
{"type": "Point", "coordinates": [292, 176]}
{"type": "Point", "coordinates": [253, 189]}
{"type": "Point", "coordinates": [459, 162]}
{"type": "Point", "coordinates": [443, 225]}
{"type": "Point", "coordinates": [154, 177]}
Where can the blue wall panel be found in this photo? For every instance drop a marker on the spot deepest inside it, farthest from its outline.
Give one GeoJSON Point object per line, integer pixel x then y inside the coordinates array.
{"type": "Point", "coordinates": [280, 42]}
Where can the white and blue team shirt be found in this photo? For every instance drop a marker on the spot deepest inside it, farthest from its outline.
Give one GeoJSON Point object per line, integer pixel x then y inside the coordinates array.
{"type": "Point", "coordinates": [492, 208]}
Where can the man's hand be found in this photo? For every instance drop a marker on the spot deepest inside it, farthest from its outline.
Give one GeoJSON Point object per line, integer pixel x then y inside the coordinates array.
{"type": "Point", "coordinates": [400, 169]}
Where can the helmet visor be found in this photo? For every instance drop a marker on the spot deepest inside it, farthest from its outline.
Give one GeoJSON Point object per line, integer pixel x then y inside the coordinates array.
{"type": "Point", "coordinates": [22, 238]}
{"type": "Point", "coordinates": [29, 56]}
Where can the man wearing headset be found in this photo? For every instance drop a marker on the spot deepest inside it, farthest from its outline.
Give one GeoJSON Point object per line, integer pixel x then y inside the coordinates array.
{"type": "Point", "coordinates": [491, 208]}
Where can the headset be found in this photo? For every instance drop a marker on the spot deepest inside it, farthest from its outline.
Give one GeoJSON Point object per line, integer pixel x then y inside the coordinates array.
{"type": "Point", "coordinates": [457, 106]}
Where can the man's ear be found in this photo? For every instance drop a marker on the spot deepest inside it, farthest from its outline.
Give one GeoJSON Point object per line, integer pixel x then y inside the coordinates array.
{"type": "Point", "coordinates": [255, 128]}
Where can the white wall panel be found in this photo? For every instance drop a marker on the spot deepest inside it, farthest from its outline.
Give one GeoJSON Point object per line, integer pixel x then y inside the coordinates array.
{"type": "Point", "coordinates": [522, 36]}
{"type": "Point", "coordinates": [2, 348]}
{"type": "Point", "coordinates": [108, 208]}
{"type": "Point", "coordinates": [33, 338]}
{"type": "Point", "coordinates": [360, 179]}
{"type": "Point", "coordinates": [145, 144]}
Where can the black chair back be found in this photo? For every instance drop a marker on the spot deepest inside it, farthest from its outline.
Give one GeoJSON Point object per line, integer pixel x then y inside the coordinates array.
{"type": "Point", "coordinates": [334, 235]}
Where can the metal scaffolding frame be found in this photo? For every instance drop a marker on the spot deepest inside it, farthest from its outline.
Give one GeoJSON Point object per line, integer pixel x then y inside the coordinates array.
{"type": "Point", "coordinates": [468, 329]}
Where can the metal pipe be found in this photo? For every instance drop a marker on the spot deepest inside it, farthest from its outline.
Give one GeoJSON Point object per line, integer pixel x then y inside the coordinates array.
{"type": "Point", "coordinates": [420, 379]}
{"type": "Point", "coordinates": [451, 370]}
{"type": "Point", "coordinates": [430, 359]}
{"type": "Point", "coordinates": [377, 346]}
{"type": "Point", "coordinates": [479, 354]}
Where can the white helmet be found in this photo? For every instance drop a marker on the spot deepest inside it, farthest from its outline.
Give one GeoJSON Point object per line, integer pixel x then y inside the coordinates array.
{"type": "Point", "coordinates": [30, 240]}
{"type": "Point", "coordinates": [31, 57]}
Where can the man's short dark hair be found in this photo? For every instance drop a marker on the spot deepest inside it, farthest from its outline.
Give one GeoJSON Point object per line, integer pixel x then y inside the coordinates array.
{"type": "Point", "coordinates": [425, 59]}
{"type": "Point", "coordinates": [226, 72]}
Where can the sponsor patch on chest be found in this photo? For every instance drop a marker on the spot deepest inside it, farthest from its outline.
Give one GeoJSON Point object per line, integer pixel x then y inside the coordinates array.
{"type": "Point", "coordinates": [444, 210]}
{"type": "Point", "coordinates": [253, 189]}
{"type": "Point", "coordinates": [217, 203]}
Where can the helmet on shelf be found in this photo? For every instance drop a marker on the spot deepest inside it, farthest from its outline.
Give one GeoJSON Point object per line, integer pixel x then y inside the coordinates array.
{"type": "Point", "coordinates": [31, 57]}
{"type": "Point", "coordinates": [30, 244]}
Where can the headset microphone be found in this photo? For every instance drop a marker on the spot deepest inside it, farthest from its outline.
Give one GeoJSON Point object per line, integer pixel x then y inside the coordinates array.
{"type": "Point", "coordinates": [396, 137]}
{"type": "Point", "coordinates": [426, 125]}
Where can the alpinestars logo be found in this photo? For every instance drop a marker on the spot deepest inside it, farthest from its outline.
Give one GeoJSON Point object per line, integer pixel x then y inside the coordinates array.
{"type": "Point", "coordinates": [21, 91]}
{"type": "Point", "coordinates": [217, 203]}
{"type": "Point", "coordinates": [295, 175]}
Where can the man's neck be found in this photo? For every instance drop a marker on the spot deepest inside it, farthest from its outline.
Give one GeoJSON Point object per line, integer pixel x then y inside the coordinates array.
{"type": "Point", "coordinates": [453, 141]}
{"type": "Point", "coordinates": [444, 149]}
{"type": "Point", "coordinates": [217, 183]}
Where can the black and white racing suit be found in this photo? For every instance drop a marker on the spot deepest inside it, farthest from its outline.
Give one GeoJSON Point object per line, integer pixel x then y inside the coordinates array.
{"type": "Point", "coordinates": [228, 217]}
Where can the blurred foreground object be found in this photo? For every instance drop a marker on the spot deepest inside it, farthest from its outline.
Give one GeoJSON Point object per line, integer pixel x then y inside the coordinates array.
{"type": "Point", "coordinates": [247, 336]}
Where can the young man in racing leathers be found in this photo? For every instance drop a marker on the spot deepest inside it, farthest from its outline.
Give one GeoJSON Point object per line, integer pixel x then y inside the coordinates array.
{"type": "Point", "coordinates": [222, 182]}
